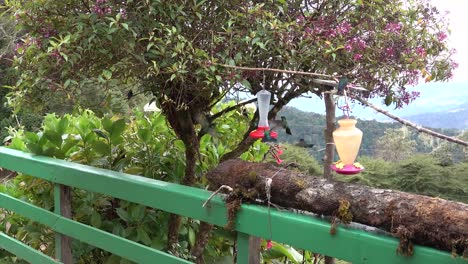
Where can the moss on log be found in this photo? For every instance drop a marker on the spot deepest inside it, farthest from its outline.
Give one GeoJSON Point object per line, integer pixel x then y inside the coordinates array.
{"type": "Point", "coordinates": [413, 218]}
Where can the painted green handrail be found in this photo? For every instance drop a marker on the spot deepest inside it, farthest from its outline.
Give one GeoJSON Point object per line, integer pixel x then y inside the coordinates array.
{"type": "Point", "coordinates": [297, 230]}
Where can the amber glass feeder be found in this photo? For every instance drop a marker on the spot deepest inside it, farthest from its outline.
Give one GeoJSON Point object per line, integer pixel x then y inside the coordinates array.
{"type": "Point", "coordinates": [347, 140]}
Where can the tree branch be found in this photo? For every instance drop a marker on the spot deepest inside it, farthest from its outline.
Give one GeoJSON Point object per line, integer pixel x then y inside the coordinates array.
{"type": "Point", "coordinates": [275, 70]}
{"type": "Point", "coordinates": [231, 108]}
{"type": "Point", "coordinates": [410, 124]}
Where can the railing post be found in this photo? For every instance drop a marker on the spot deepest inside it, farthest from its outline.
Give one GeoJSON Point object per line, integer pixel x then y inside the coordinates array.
{"type": "Point", "coordinates": [62, 204]}
{"type": "Point", "coordinates": [248, 249]}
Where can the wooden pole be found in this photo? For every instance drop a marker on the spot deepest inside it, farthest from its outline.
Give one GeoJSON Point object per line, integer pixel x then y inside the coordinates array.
{"type": "Point", "coordinates": [62, 202]}
{"type": "Point", "coordinates": [330, 127]}
{"type": "Point", "coordinates": [330, 145]}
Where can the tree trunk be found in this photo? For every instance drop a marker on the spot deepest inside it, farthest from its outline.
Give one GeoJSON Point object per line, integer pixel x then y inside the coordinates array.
{"type": "Point", "coordinates": [329, 144]}
{"type": "Point", "coordinates": [414, 218]}
{"type": "Point", "coordinates": [201, 240]}
{"type": "Point", "coordinates": [182, 123]}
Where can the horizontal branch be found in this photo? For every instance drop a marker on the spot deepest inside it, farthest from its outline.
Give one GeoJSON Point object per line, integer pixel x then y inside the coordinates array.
{"type": "Point", "coordinates": [410, 124]}
{"type": "Point", "coordinates": [231, 108]}
{"type": "Point", "coordinates": [275, 70]}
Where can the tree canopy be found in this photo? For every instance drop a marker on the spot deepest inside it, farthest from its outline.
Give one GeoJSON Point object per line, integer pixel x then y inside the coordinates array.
{"type": "Point", "coordinates": [174, 51]}
{"type": "Point", "coordinates": [171, 48]}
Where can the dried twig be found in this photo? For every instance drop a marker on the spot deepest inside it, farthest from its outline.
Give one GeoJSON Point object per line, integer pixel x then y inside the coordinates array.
{"type": "Point", "coordinates": [216, 192]}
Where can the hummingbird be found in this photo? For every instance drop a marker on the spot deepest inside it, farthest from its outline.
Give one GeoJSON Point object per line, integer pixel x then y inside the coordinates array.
{"type": "Point", "coordinates": [267, 137]}
{"type": "Point", "coordinates": [283, 123]}
{"type": "Point", "coordinates": [129, 94]}
{"type": "Point", "coordinates": [342, 83]}
{"type": "Point", "coordinates": [304, 144]}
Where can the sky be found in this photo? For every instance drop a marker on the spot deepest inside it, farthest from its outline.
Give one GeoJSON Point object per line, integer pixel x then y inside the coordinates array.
{"type": "Point", "coordinates": [434, 96]}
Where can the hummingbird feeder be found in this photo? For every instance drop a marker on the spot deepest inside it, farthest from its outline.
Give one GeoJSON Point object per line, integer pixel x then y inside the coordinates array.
{"type": "Point", "coordinates": [347, 140]}
{"type": "Point", "coordinates": [263, 102]}
{"type": "Point", "coordinates": [263, 130]}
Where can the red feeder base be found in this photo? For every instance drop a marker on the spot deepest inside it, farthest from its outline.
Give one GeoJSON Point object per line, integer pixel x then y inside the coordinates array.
{"type": "Point", "coordinates": [260, 133]}
{"type": "Point", "coordinates": [347, 169]}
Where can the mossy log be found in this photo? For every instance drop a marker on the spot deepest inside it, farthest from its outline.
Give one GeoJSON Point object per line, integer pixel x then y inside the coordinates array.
{"type": "Point", "coordinates": [419, 219]}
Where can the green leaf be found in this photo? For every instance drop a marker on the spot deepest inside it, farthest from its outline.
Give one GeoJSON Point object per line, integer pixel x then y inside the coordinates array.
{"type": "Point", "coordinates": [125, 25]}
{"type": "Point", "coordinates": [54, 137]}
{"type": "Point", "coordinates": [101, 147]}
{"type": "Point", "coordinates": [246, 84]}
{"type": "Point", "coordinates": [107, 124]}
{"type": "Point", "coordinates": [191, 236]}
{"type": "Point", "coordinates": [96, 219]}
{"type": "Point", "coordinates": [279, 251]}
{"type": "Point", "coordinates": [62, 125]}
{"type": "Point", "coordinates": [107, 74]}
{"type": "Point", "coordinates": [144, 134]}
{"type": "Point", "coordinates": [101, 134]}
{"type": "Point", "coordinates": [122, 214]}
{"type": "Point", "coordinates": [34, 148]}
{"type": "Point", "coordinates": [117, 130]}
{"type": "Point", "coordinates": [31, 137]}
{"type": "Point", "coordinates": [143, 236]}
{"type": "Point", "coordinates": [137, 212]}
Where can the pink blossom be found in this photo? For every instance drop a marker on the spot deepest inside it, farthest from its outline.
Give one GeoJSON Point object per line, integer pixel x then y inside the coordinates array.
{"type": "Point", "coordinates": [393, 27]}
{"type": "Point", "coordinates": [343, 28]}
{"type": "Point", "coordinates": [300, 19]}
{"type": "Point", "coordinates": [355, 43]}
{"type": "Point", "coordinates": [441, 36]}
{"type": "Point", "coordinates": [413, 77]}
{"type": "Point", "coordinates": [123, 13]}
{"type": "Point", "coordinates": [348, 47]}
{"type": "Point", "coordinates": [101, 8]}
{"type": "Point", "coordinates": [420, 51]}
{"type": "Point", "coordinates": [389, 52]}
{"type": "Point", "coordinates": [357, 56]}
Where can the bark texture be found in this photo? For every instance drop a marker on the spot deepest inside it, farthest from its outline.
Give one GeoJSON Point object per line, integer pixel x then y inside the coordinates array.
{"type": "Point", "coordinates": [414, 218]}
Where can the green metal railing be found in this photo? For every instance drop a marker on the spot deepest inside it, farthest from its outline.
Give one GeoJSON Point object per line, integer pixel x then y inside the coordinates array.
{"type": "Point", "coordinates": [297, 230]}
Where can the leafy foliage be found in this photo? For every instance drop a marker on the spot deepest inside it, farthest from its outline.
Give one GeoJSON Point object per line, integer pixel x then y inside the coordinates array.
{"type": "Point", "coordinates": [144, 146]}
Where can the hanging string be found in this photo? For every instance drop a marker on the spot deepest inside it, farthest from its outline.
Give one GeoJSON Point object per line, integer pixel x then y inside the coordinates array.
{"type": "Point", "coordinates": [345, 108]}
{"type": "Point", "coordinates": [268, 196]}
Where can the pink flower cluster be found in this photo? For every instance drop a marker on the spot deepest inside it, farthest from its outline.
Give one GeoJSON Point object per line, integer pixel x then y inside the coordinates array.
{"type": "Point", "coordinates": [355, 44]}
{"type": "Point", "coordinates": [441, 36]}
{"type": "Point", "coordinates": [343, 28]}
{"type": "Point", "coordinates": [101, 8]}
{"type": "Point", "coordinates": [393, 27]}
{"type": "Point", "coordinates": [412, 76]}
{"type": "Point", "coordinates": [389, 52]}
{"type": "Point", "coordinates": [421, 51]}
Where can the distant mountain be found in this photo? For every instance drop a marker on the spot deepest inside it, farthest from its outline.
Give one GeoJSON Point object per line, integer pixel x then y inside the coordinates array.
{"type": "Point", "coordinates": [452, 118]}
{"type": "Point", "coordinates": [450, 100]}
{"type": "Point", "coordinates": [308, 129]}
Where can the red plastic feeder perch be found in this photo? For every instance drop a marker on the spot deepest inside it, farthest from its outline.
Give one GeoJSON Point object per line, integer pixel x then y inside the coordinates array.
{"type": "Point", "coordinates": [263, 101]}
